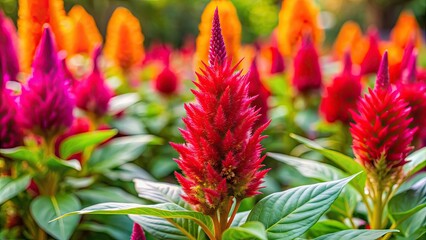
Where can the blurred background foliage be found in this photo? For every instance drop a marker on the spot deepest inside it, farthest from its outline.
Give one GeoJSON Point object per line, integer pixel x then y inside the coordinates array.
{"type": "Point", "coordinates": [174, 21]}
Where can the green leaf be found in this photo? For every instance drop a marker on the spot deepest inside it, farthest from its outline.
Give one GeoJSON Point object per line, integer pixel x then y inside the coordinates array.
{"type": "Point", "coordinates": [240, 218]}
{"type": "Point", "coordinates": [249, 230]}
{"type": "Point", "coordinates": [346, 163]}
{"type": "Point", "coordinates": [346, 203]}
{"type": "Point", "coordinates": [309, 168]}
{"type": "Point", "coordinates": [121, 102]}
{"type": "Point", "coordinates": [119, 151]}
{"type": "Point", "coordinates": [60, 164]}
{"type": "Point", "coordinates": [9, 187]}
{"type": "Point", "coordinates": [45, 208]}
{"type": "Point", "coordinates": [416, 161]}
{"type": "Point", "coordinates": [77, 143]}
{"type": "Point", "coordinates": [163, 210]}
{"type": "Point", "coordinates": [356, 234]}
{"type": "Point", "coordinates": [406, 203]}
{"type": "Point", "coordinates": [162, 229]}
{"type": "Point", "coordinates": [158, 192]}
{"type": "Point", "coordinates": [20, 153]}
{"type": "Point", "coordinates": [325, 227]}
{"type": "Point", "coordinates": [100, 194]}
{"type": "Point", "coordinates": [127, 172]}
{"type": "Point", "coordinates": [289, 214]}
{"type": "Point", "coordinates": [415, 223]}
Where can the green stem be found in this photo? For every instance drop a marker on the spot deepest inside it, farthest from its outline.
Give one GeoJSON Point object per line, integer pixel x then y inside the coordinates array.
{"type": "Point", "coordinates": [388, 235]}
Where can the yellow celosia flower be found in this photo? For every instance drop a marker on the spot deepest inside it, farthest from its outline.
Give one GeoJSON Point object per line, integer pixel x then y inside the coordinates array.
{"type": "Point", "coordinates": [124, 40]}
{"type": "Point", "coordinates": [231, 31]}
{"type": "Point", "coordinates": [32, 16]}
{"type": "Point", "coordinates": [86, 34]}
{"type": "Point", "coordinates": [296, 18]}
{"type": "Point", "coordinates": [350, 34]}
{"type": "Point", "coordinates": [406, 28]}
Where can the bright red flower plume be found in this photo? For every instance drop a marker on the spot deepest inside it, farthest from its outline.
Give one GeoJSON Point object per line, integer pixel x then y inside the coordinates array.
{"type": "Point", "coordinates": [222, 154]}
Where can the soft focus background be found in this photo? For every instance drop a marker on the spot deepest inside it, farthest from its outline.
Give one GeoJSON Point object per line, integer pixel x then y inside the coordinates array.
{"type": "Point", "coordinates": [172, 21]}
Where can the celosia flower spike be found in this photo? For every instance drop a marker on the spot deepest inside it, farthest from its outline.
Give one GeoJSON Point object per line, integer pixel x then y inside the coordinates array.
{"type": "Point", "coordinates": [10, 132]}
{"type": "Point", "coordinates": [259, 93]}
{"type": "Point", "coordinates": [221, 158]}
{"type": "Point", "coordinates": [381, 132]}
{"type": "Point", "coordinates": [46, 103]}
{"type": "Point", "coordinates": [8, 52]}
{"type": "Point", "coordinates": [382, 80]}
{"type": "Point", "coordinates": [92, 93]}
{"type": "Point", "coordinates": [217, 51]}
{"type": "Point", "coordinates": [409, 74]}
{"type": "Point", "coordinates": [137, 233]}
{"type": "Point", "coordinates": [342, 95]}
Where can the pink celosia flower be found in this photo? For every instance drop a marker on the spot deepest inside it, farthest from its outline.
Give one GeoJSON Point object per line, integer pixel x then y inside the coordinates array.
{"type": "Point", "coordinates": [8, 50]}
{"type": "Point", "coordinates": [341, 95]}
{"type": "Point", "coordinates": [414, 93]}
{"type": "Point", "coordinates": [46, 103]}
{"type": "Point", "coordinates": [92, 93]}
{"type": "Point", "coordinates": [371, 60]}
{"type": "Point", "coordinates": [277, 62]}
{"type": "Point", "coordinates": [166, 82]}
{"type": "Point", "coordinates": [221, 157]}
{"type": "Point", "coordinates": [381, 133]}
{"type": "Point", "coordinates": [259, 93]}
{"type": "Point", "coordinates": [10, 132]}
{"type": "Point", "coordinates": [307, 72]}
{"type": "Point", "coordinates": [137, 233]}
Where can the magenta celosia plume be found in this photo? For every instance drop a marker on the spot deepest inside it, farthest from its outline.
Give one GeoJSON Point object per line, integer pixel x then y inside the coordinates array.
{"type": "Point", "coordinates": [371, 61]}
{"type": "Point", "coordinates": [414, 93]}
{"type": "Point", "coordinates": [341, 95]}
{"type": "Point", "coordinates": [8, 49]}
{"type": "Point", "coordinates": [46, 103]}
{"type": "Point", "coordinates": [381, 133]}
{"type": "Point", "coordinates": [166, 82]}
{"type": "Point", "coordinates": [277, 61]}
{"type": "Point", "coordinates": [92, 93]}
{"type": "Point", "coordinates": [221, 158]}
{"type": "Point", "coordinates": [10, 131]}
{"type": "Point", "coordinates": [137, 233]}
{"type": "Point", "coordinates": [307, 72]}
{"type": "Point", "coordinates": [259, 93]}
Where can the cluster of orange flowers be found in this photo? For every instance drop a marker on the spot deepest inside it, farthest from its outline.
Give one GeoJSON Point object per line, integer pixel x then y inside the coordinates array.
{"type": "Point", "coordinates": [77, 33]}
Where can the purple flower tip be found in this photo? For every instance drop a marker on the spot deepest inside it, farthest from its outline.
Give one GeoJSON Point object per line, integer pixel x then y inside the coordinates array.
{"type": "Point", "coordinates": [217, 51]}
{"type": "Point", "coordinates": [97, 52]}
{"type": "Point", "coordinates": [383, 73]}
{"type": "Point", "coordinates": [347, 63]}
{"type": "Point", "coordinates": [8, 52]}
{"type": "Point", "coordinates": [137, 233]}
{"type": "Point", "coordinates": [45, 58]}
{"type": "Point", "coordinates": [410, 72]}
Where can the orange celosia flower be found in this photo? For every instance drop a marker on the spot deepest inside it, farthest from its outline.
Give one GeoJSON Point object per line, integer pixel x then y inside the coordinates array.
{"type": "Point", "coordinates": [124, 40]}
{"type": "Point", "coordinates": [296, 18]}
{"type": "Point", "coordinates": [350, 34]}
{"type": "Point", "coordinates": [86, 34]}
{"type": "Point", "coordinates": [405, 29]}
{"type": "Point", "coordinates": [32, 16]}
{"type": "Point", "coordinates": [231, 31]}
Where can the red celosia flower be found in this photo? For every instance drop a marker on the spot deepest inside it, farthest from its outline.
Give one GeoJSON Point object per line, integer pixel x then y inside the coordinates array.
{"type": "Point", "coordinates": [92, 93]}
{"type": "Point", "coordinates": [46, 102]}
{"type": "Point", "coordinates": [10, 132]}
{"type": "Point", "coordinates": [395, 70]}
{"type": "Point", "coordinates": [259, 93]}
{"type": "Point", "coordinates": [414, 93]}
{"type": "Point", "coordinates": [166, 82]}
{"type": "Point", "coordinates": [137, 233]}
{"type": "Point", "coordinates": [381, 133]}
{"type": "Point", "coordinates": [307, 72]}
{"type": "Point", "coordinates": [341, 95]}
{"type": "Point", "coordinates": [221, 157]}
{"type": "Point", "coordinates": [371, 61]}
{"type": "Point", "coordinates": [277, 62]}
{"type": "Point", "coordinates": [158, 52]}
